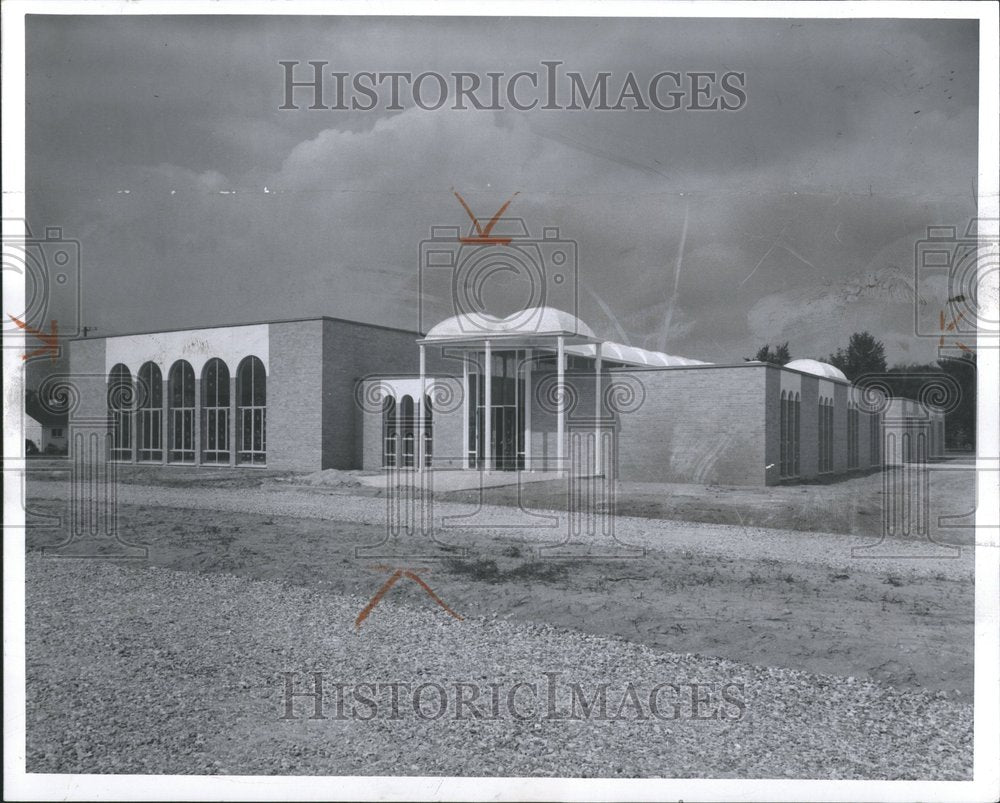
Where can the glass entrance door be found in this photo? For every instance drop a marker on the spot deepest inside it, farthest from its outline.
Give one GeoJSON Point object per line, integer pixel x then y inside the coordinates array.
{"type": "Point", "coordinates": [506, 413]}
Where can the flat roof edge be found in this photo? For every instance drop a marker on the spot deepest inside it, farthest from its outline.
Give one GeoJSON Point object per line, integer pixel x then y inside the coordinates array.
{"type": "Point", "coordinates": [335, 319]}
{"type": "Point", "coordinates": [744, 364]}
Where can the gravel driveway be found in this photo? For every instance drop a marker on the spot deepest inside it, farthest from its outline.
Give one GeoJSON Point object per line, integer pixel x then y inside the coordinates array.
{"type": "Point", "coordinates": [146, 670]}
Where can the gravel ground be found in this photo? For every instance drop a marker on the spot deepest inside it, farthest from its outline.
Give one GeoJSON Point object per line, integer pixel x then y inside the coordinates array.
{"type": "Point", "coordinates": [146, 670]}
{"type": "Point", "coordinates": [830, 550]}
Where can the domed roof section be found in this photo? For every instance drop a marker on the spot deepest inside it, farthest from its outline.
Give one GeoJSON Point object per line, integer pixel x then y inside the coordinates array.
{"type": "Point", "coordinates": [531, 321]}
{"type": "Point", "coordinates": [817, 368]}
{"type": "Point", "coordinates": [632, 355]}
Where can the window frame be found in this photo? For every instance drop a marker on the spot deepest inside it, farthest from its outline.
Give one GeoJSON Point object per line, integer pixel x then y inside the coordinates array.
{"type": "Point", "coordinates": [215, 418]}
{"type": "Point", "coordinates": [256, 411]}
{"type": "Point", "coordinates": [181, 419]}
{"type": "Point", "coordinates": [149, 413]}
{"type": "Point", "coordinates": [121, 403]}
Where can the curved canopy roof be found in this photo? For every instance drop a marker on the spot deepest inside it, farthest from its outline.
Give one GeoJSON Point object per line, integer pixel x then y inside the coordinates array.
{"type": "Point", "coordinates": [531, 322]}
{"type": "Point", "coordinates": [545, 322]}
{"type": "Point", "coordinates": [631, 355]}
{"type": "Point", "coordinates": [817, 368]}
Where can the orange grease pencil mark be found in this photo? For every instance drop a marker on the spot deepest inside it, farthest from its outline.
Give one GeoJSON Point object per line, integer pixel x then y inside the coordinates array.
{"type": "Point", "coordinates": [50, 340]}
{"type": "Point", "coordinates": [484, 237]}
{"type": "Point", "coordinates": [395, 577]}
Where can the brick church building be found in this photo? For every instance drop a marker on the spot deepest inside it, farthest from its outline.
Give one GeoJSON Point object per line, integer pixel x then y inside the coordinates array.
{"type": "Point", "coordinates": [536, 391]}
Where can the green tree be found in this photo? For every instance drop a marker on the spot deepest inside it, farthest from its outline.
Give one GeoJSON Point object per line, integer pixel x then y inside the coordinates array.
{"type": "Point", "coordinates": [960, 423]}
{"type": "Point", "coordinates": [779, 355]}
{"type": "Point", "coordinates": [863, 355]}
{"type": "Point", "coordinates": [908, 380]}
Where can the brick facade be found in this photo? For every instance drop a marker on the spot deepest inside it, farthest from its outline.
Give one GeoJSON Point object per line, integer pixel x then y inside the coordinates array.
{"type": "Point", "coordinates": [702, 424]}
{"type": "Point", "coordinates": [296, 431]}
{"type": "Point", "coordinates": [716, 424]}
{"type": "Point", "coordinates": [352, 351]}
{"type": "Point", "coordinates": [313, 367]}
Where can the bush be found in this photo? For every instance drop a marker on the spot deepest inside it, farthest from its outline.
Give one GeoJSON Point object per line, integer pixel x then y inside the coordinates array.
{"type": "Point", "coordinates": [30, 447]}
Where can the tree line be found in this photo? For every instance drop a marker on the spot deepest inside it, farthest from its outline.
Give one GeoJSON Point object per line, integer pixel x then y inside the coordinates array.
{"type": "Point", "coordinates": [864, 356]}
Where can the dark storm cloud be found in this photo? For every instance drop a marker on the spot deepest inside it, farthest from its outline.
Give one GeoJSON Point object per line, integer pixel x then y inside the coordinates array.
{"type": "Point", "coordinates": [855, 137]}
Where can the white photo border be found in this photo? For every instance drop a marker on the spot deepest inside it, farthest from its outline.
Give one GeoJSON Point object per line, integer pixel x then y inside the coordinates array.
{"type": "Point", "coordinates": [986, 775]}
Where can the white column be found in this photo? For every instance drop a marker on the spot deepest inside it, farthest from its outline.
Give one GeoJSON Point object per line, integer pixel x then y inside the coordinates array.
{"type": "Point", "coordinates": [196, 424]}
{"type": "Point", "coordinates": [561, 399]}
{"type": "Point", "coordinates": [597, 410]}
{"type": "Point", "coordinates": [527, 410]}
{"type": "Point", "coordinates": [487, 432]}
{"type": "Point", "coordinates": [134, 424]}
{"type": "Point", "coordinates": [419, 434]}
{"type": "Point", "coordinates": [232, 420]}
{"type": "Point", "coordinates": [465, 410]}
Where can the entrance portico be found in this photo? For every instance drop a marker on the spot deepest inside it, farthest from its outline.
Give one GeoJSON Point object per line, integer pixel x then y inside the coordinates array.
{"type": "Point", "coordinates": [498, 356]}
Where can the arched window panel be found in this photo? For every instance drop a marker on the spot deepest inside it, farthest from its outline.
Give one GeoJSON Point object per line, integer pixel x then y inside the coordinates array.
{"type": "Point", "coordinates": [783, 429]}
{"type": "Point", "coordinates": [796, 433]}
{"type": "Point", "coordinates": [150, 391]}
{"type": "Point", "coordinates": [406, 417]}
{"type": "Point", "coordinates": [215, 384]}
{"type": "Point", "coordinates": [215, 412]}
{"type": "Point", "coordinates": [821, 438]}
{"type": "Point", "coordinates": [825, 434]}
{"type": "Point", "coordinates": [388, 432]}
{"type": "Point", "coordinates": [180, 383]}
{"type": "Point", "coordinates": [121, 400]}
{"type": "Point", "coordinates": [180, 413]}
{"type": "Point", "coordinates": [853, 432]}
{"type": "Point", "coordinates": [828, 434]}
{"type": "Point", "coordinates": [120, 391]}
{"type": "Point", "coordinates": [428, 432]}
{"type": "Point", "coordinates": [251, 383]}
{"type": "Point", "coordinates": [251, 411]}
{"type": "Point", "coordinates": [406, 423]}
{"type": "Point", "coordinates": [150, 404]}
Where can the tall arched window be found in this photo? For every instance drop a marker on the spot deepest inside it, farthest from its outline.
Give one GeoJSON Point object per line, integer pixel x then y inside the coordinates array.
{"type": "Point", "coordinates": [829, 434]}
{"type": "Point", "coordinates": [180, 413]}
{"type": "Point", "coordinates": [406, 423]}
{"type": "Point", "coordinates": [251, 412]}
{"type": "Point", "coordinates": [215, 412]}
{"type": "Point", "coordinates": [853, 430]}
{"type": "Point", "coordinates": [783, 436]}
{"type": "Point", "coordinates": [874, 438]}
{"type": "Point", "coordinates": [388, 432]}
{"type": "Point", "coordinates": [428, 432]}
{"type": "Point", "coordinates": [150, 408]}
{"type": "Point", "coordinates": [825, 434]}
{"type": "Point", "coordinates": [121, 398]}
{"type": "Point", "coordinates": [796, 414]}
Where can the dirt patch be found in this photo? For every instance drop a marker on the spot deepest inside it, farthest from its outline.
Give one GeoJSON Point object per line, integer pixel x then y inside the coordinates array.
{"type": "Point", "coordinates": [853, 505]}
{"type": "Point", "coordinates": [486, 570]}
{"type": "Point", "coordinates": [328, 478]}
{"type": "Point", "coordinates": [914, 632]}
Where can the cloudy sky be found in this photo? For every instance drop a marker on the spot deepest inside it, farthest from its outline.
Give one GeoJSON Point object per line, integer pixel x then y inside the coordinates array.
{"type": "Point", "coordinates": [704, 234]}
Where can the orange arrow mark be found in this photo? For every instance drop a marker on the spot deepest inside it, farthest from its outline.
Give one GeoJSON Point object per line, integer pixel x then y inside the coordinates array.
{"type": "Point", "coordinates": [395, 577]}
{"type": "Point", "coordinates": [951, 327]}
{"type": "Point", "coordinates": [51, 340]}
